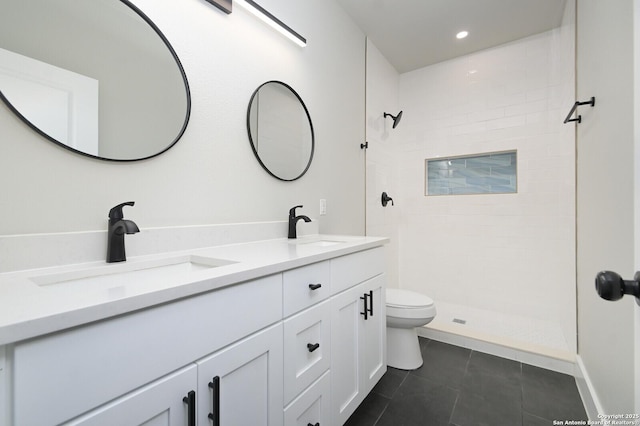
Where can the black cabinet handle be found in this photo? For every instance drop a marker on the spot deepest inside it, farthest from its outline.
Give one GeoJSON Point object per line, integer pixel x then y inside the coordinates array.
{"type": "Point", "coordinates": [366, 309]}
{"type": "Point", "coordinates": [214, 384]}
{"type": "Point", "coordinates": [315, 286]}
{"type": "Point", "coordinates": [370, 302]}
{"type": "Point", "coordinates": [190, 400]}
{"type": "Point", "coordinates": [317, 424]}
{"type": "Point", "coordinates": [313, 347]}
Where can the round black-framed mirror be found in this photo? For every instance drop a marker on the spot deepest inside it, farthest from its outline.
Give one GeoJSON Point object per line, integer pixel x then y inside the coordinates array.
{"type": "Point", "coordinates": [114, 86]}
{"type": "Point", "coordinates": [280, 130]}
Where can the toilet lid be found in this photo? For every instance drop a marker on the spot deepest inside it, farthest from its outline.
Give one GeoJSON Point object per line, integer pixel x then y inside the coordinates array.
{"type": "Point", "coordinates": [407, 298]}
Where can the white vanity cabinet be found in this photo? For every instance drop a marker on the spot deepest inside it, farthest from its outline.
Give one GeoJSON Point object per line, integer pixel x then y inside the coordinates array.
{"type": "Point", "coordinates": [238, 385]}
{"type": "Point", "coordinates": [297, 347]}
{"type": "Point", "coordinates": [63, 375]}
{"type": "Point", "coordinates": [358, 330]}
{"type": "Point", "coordinates": [350, 331]}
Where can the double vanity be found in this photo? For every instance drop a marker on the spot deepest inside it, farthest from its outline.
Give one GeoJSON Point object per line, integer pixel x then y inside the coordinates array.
{"type": "Point", "coordinates": [274, 332]}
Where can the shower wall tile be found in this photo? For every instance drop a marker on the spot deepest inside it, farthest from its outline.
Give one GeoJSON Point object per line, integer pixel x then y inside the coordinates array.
{"type": "Point", "coordinates": [499, 252]}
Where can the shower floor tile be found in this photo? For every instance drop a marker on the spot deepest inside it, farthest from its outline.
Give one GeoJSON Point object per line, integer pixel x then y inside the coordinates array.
{"type": "Point", "coordinates": [461, 387]}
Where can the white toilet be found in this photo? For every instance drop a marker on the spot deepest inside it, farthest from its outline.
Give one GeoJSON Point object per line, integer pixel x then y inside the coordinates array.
{"type": "Point", "coordinates": [406, 310]}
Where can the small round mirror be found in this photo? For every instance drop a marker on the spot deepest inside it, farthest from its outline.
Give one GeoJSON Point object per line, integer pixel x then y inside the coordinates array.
{"type": "Point", "coordinates": [280, 130]}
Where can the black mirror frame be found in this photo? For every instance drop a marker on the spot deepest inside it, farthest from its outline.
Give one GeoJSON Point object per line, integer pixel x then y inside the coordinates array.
{"type": "Point", "coordinates": [186, 86]}
{"type": "Point", "coordinates": [253, 146]}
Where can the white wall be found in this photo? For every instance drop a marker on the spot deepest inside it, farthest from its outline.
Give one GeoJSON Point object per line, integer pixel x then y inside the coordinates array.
{"type": "Point", "coordinates": [636, 167]}
{"type": "Point", "coordinates": [511, 254]}
{"type": "Point", "coordinates": [605, 210]}
{"type": "Point", "coordinates": [211, 175]}
{"type": "Point", "coordinates": [382, 171]}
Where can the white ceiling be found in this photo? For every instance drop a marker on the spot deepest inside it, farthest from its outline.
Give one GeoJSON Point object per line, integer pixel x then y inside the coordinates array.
{"type": "Point", "coordinates": [412, 34]}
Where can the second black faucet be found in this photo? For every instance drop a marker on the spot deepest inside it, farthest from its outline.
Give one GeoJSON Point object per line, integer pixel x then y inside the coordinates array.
{"type": "Point", "coordinates": [293, 220]}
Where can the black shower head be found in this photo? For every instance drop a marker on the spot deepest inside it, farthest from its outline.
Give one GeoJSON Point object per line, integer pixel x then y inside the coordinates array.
{"type": "Point", "coordinates": [396, 118]}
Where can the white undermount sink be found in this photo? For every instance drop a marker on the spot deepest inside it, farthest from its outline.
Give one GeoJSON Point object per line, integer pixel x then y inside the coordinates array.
{"type": "Point", "coordinates": [318, 241]}
{"type": "Point", "coordinates": [322, 243]}
{"type": "Point", "coordinates": [173, 269]}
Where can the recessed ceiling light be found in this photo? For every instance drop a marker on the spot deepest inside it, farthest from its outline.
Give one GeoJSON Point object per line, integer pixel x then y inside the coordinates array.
{"type": "Point", "coordinates": [462, 34]}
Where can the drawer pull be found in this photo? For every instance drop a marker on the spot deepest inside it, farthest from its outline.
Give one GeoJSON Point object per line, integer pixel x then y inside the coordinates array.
{"type": "Point", "coordinates": [312, 347]}
{"type": "Point", "coordinates": [310, 424]}
{"type": "Point", "coordinates": [214, 384]}
{"type": "Point", "coordinates": [371, 302]}
{"type": "Point", "coordinates": [315, 286]}
{"type": "Point", "coordinates": [190, 400]}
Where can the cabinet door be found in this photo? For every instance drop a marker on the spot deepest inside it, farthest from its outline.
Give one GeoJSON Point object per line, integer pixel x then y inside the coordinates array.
{"type": "Point", "coordinates": [158, 404]}
{"type": "Point", "coordinates": [347, 341]}
{"type": "Point", "coordinates": [358, 345]}
{"type": "Point", "coordinates": [242, 384]}
{"type": "Point", "coordinates": [375, 333]}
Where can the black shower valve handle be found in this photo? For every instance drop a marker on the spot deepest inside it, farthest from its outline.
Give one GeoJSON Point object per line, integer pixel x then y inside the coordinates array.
{"type": "Point", "coordinates": [385, 199]}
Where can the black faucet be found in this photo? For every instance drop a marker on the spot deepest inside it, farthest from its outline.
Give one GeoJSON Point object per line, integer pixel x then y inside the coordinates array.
{"type": "Point", "coordinates": [293, 219]}
{"type": "Point", "coordinates": [118, 226]}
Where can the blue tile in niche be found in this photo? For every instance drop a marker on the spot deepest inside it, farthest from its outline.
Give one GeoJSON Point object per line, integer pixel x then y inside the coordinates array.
{"type": "Point", "coordinates": [503, 172]}
{"type": "Point", "coordinates": [448, 163]}
{"type": "Point", "coordinates": [468, 190]}
{"type": "Point", "coordinates": [478, 174]}
{"type": "Point", "coordinates": [440, 191]}
{"type": "Point", "coordinates": [436, 164]}
{"type": "Point", "coordinates": [492, 160]}
{"type": "Point", "coordinates": [487, 181]}
{"type": "Point", "coordinates": [473, 172]}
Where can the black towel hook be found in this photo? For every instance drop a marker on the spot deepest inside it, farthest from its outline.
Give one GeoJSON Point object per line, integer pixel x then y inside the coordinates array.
{"type": "Point", "coordinates": [591, 102]}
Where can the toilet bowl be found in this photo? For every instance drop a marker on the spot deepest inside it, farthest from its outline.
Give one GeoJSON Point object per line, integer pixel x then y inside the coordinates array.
{"type": "Point", "coordinates": [406, 310]}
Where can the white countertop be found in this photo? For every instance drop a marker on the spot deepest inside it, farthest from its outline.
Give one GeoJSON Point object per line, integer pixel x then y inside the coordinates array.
{"type": "Point", "coordinates": [29, 309]}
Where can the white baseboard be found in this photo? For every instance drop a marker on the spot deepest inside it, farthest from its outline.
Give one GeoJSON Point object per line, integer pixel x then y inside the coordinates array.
{"type": "Point", "coordinates": [589, 397]}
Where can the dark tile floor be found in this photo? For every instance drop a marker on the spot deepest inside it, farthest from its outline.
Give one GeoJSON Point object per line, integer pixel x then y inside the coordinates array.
{"type": "Point", "coordinates": [461, 387]}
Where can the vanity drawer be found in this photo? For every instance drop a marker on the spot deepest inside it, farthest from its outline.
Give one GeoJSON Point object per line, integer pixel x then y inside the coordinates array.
{"type": "Point", "coordinates": [307, 348]}
{"type": "Point", "coordinates": [62, 375]}
{"type": "Point", "coordinates": [306, 286]}
{"type": "Point", "coordinates": [313, 406]}
{"type": "Point", "coordinates": [352, 269]}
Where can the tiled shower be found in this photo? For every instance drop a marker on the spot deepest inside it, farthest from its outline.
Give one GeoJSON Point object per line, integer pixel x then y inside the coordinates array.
{"type": "Point", "coordinates": [501, 262]}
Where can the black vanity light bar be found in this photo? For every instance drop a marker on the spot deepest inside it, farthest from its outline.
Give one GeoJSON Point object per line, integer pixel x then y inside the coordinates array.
{"type": "Point", "coordinates": [224, 5]}
{"type": "Point", "coordinates": [280, 26]}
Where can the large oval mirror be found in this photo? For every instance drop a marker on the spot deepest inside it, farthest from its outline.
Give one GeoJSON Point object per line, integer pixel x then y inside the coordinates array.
{"type": "Point", "coordinates": [97, 77]}
{"type": "Point", "coordinates": [280, 130]}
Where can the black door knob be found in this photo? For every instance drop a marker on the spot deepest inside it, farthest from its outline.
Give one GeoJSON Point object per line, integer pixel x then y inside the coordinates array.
{"type": "Point", "coordinates": [611, 286]}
